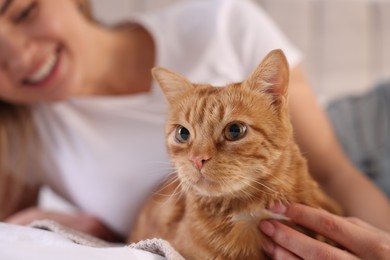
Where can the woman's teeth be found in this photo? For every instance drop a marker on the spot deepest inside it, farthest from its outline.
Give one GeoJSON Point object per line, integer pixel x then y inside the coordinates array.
{"type": "Point", "coordinates": [44, 71]}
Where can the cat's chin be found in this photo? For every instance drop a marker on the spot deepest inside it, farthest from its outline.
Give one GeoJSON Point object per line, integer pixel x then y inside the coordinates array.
{"type": "Point", "coordinates": [206, 193]}
{"type": "Point", "coordinates": [205, 188]}
{"type": "Point", "coordinates": [204, 184]}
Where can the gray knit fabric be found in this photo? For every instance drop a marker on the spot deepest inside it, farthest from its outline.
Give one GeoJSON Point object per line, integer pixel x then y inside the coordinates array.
{"type": "Point", "coordinates": [362, 126]}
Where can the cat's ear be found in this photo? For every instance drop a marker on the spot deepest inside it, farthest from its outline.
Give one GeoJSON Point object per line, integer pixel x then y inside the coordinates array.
{"type": "Point", "coordinates": [271, 76]}
{"type": "Point", "coordinates": [171, 83]}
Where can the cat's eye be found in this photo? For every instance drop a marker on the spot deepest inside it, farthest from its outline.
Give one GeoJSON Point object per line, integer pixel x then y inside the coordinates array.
{"type": "Point", "coordinates": [182, 134]}
{"type": "Point", "coordinates": [235, 131]}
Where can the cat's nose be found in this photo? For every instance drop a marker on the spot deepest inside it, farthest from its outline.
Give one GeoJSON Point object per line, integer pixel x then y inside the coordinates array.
{"type": "Point", "coordinates": [199, 161]}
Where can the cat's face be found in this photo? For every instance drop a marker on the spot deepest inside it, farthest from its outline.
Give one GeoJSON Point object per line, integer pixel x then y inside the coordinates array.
{"type": "Point", "coordinates": [224, 141]}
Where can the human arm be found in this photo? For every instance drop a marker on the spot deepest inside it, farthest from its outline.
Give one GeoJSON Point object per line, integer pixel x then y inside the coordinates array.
{"type": "Point", "coordinates": [18, 205]}
{"type": "Point", "coordinates": [78, 221]}
{"type": "Point", "coordinates": [327, 162]}
{"type": "Point", "coordinates": [359, 239]}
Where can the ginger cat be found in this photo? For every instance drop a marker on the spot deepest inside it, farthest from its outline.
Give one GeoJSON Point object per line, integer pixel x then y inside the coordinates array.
{"type": "Point", "coordinates": [234, 154]}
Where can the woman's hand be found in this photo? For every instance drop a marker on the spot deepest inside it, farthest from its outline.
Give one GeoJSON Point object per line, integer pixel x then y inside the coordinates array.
{"type": "Point", "coordinates": [78, 221]}
{"type": "Point", "coordinates": [359, 239]}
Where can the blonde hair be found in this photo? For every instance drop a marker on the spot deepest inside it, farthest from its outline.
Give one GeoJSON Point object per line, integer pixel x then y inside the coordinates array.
{"type": "Point", "coordinates": [16, 130]}
{"type": "Point", "coordinates": [86, 8]}
{"type": "Point", "coordinates": [17, 139]}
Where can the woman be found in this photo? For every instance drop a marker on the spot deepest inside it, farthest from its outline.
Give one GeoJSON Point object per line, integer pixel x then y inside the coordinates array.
{"type": "Point", "coordinates": [88, 93]}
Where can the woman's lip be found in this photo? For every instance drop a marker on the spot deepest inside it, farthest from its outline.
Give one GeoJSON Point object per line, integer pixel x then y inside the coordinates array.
{"type": "Point", "coordinates": [45, 72]}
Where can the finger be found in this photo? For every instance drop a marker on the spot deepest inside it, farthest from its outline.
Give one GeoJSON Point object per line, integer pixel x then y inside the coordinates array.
{"type": "Point", "coordinates": [277, 252]}
{"type": "Point", "coordinates": [362, 224]}
{"type": "Point", "coordinates": [299, 244]}
{"type": "Point", "coordinates": [355, 238]}
{"type": "Point", "coordinates": [283, 254]}
{"type": "Point", "coordinates": [367, 226]}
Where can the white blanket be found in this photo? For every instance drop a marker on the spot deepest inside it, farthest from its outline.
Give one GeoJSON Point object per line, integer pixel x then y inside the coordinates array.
{"type": "Point", "coordinates": [48, 240]}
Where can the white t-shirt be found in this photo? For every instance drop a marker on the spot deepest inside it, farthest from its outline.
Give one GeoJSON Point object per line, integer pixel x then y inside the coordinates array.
{"type": "Point", "coordinates": [107, 154]}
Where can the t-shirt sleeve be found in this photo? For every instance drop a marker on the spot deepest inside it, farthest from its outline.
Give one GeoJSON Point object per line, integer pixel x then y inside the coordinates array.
{"type": "Point", "coordinates": [253, 34]}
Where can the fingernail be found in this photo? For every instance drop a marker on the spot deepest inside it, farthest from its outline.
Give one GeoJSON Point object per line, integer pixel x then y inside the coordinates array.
{"type": "Point", "coordinates": [267, 227]}
{"type": "Point", "coordinates": [278, 208]}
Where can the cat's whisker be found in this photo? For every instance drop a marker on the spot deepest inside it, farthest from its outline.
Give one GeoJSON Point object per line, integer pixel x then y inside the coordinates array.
{"type": "Point", "coordinates": [158, 173]}
{"type": "Point", "coordinates": [159, 162]}
{"type": "Point", "coordinates": [179, 191]}
{"type": "Point", "coordinates": [268, 190]}
{"type": "Point", "coordinates": [176, 193]}
{"type": "Point", "coordinates": [245, 192]}
{"type": "Point", "coordinates": [163, 167]}
{"type": "Point", "coordinates": [249, 183]}
{"type": "Point", "coordinates": [266, 186]}
{"type": "Point", "coordinates": [170, 182]}
{"type": "Point", "coordinates": [164, 171]}
{"type": "Point", "coordinates": [281, 181]}
{"type": "Point", "coordinates": [162, 164]}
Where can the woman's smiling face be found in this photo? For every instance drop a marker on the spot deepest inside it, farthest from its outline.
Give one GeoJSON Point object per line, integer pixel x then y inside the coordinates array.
{"type": "Point", "coordinates": [43, 49]}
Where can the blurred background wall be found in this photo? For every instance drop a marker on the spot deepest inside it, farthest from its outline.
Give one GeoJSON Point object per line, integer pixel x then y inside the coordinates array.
{"type": "Point", "coordinates": [346, 43]}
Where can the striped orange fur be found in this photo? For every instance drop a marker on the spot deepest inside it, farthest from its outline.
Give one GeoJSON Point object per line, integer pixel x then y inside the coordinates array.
{"type": "Point", "coordinates": [234, 155]}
